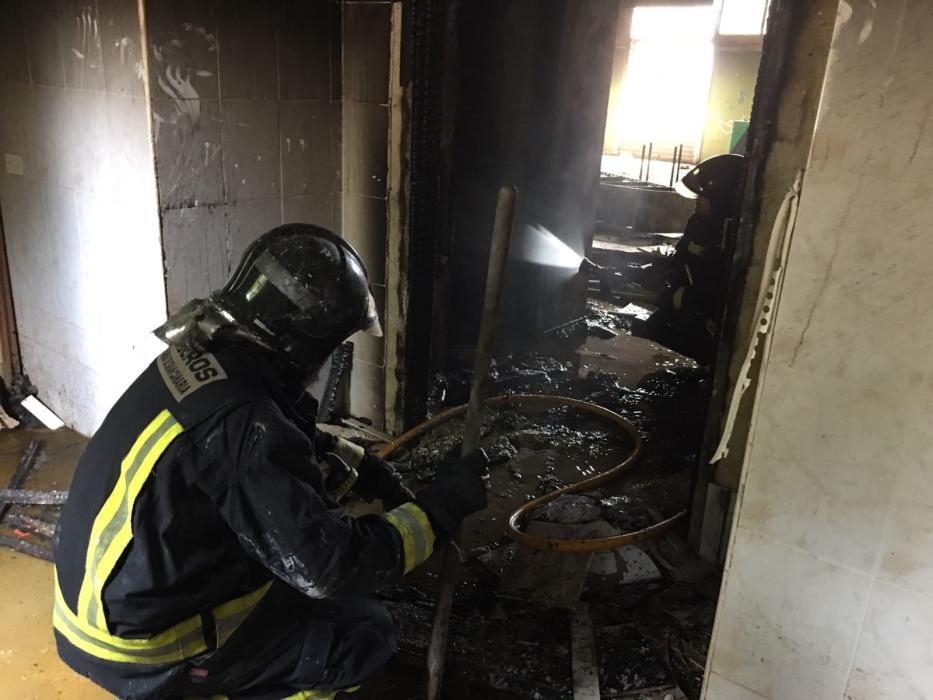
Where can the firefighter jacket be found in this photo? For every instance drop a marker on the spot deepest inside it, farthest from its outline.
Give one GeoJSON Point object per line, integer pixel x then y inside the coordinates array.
{"type": "Point", "coordinates": [200, 487]}
{"type": "Point", "coordinates": [699, 266]}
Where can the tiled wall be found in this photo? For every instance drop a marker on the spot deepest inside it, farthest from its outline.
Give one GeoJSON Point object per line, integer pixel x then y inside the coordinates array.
{"type": "Point", "coordinates": [270, 113]}
{"type": "Point", "coordinates": [828, 590]}
{"type": "Point", "coordinates": [366, 34]}
{"type": "Point", "coordinates": [77, 195]}
{"type": "Point", "coordinates": [246, 110]}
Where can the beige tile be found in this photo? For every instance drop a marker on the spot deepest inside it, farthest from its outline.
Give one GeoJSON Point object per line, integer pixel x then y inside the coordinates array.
{"type": "Point", "coordinates": [367, 391]}
{"type": "Point", "coordinates": [367, 346]}
{"type": "Point", "coordinates": [856, 301]}
{"type": "Point", "coordinates": [895, 653]}
{"type": "Point", "coordinates": [855, 306]}
{"type": "Point", "coordinates": [365, 148]}
{"type": "Point", "coordinates": [721, 688]}
{"type": "Point", "coordinates": [787, 622]}
{"type": "Point", "coordinates": [916, 480]}
{"type": "Point", "coordinates": [364, 227]}
{"type": "Point", "coordinates": [366, 31]}
{"type": "Point", "coordinates": [822, 468]}
{"type": "Point", "coordinates": [820, 223]}
{"type": "Point", "coordinates": [906, 558]}
{"type": "Point", "coordinates": [853, 97]}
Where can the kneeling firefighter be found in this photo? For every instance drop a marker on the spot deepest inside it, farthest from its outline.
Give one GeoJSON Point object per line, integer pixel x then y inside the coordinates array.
{"type": "Point", "coordinates": [203, 551]}
{"type": "Point", "coordinates": [690, 311]}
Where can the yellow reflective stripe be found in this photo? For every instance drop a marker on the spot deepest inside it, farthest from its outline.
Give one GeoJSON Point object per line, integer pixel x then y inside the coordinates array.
{"type": "Point", "coordinates": [351, 453]}
{"type": "Point", "coordinates": [229, 616]}
{"type": "Point", "coordinates": [124, 533]}
{"type": "Point", "coordinates": [679, 298]}
{"type": "Point", "coordinates": [320, 694]}
{"type": "Point", "coordinates": [110, 505]}
{"type": "Point", "coordinates": [112, 529]}
{"type": "Point", "coordinates": [182, 641]}
{"type": "Point", "coordinates": [416, 532]}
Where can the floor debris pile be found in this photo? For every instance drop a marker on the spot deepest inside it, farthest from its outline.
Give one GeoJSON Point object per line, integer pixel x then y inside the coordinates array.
{"type": "Point", "coordinates": [651, 625]}
{"type": "Point", "coordinates": [28, 516]}
{"type": "Point", "coordinates": [651, 604]}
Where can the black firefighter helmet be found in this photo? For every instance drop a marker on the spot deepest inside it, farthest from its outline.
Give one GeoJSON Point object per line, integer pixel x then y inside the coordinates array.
{"type": "Point", "coordinates": [299, 290]}
{"type": "Point", "coordinates": [717, 179]}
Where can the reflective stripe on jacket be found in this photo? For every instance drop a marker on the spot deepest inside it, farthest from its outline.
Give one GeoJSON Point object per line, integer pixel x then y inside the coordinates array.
{"type": "Point", "coordinates": [200, 485]}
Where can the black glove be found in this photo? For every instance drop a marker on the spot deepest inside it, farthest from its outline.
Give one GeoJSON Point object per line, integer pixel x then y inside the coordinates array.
{"type": "Point", "coordinates": [458, 490]}
{"type": "Point", "coordinates": [323, 443]}
{"type": "Point", "coordinates": [378, 479]}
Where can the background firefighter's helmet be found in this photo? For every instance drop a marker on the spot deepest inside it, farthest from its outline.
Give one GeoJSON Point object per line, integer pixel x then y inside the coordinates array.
{"type": "Point", "coordinates": [717, 179]}
{"type": "Point", "coordinates": [299, 290]}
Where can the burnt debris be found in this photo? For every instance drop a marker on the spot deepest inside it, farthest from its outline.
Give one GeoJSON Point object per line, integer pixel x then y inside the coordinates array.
{"type": "Point", "coordinates": [651, 626]}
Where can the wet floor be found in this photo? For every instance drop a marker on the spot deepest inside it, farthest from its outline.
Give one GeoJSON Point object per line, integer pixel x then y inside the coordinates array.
{"type": "Point", "coordinates": [525, 649]}
{"type": "Point", "coordinates": [29, 666]}
{"type": "Point", "coordinates": [650, 633]}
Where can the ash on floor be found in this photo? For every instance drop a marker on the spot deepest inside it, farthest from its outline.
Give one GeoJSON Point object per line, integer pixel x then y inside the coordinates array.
{"type": "Point", "coordinates": [651, 627]}
{"type": "Point", "coordinates": [652, 606]}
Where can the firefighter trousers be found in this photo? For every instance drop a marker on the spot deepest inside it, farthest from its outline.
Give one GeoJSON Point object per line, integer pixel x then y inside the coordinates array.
{"type": "Point", "coordinates": [292, 643]}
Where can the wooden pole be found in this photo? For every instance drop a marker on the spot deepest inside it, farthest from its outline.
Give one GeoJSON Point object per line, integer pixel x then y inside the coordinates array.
{"type": "Point", "coordinates": [498, 256]}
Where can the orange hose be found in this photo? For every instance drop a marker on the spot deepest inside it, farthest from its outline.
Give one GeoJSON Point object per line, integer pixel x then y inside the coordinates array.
{"type": "Point", "coordinates": [518, 517]}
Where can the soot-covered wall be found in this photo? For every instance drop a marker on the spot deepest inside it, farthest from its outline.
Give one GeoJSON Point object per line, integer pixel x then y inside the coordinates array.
{"type": "Point", "coordinates": [531, 111]}
{"type": "Point", "coordinates": [245, 100]}
{"type": "Point", "coordinates": [267, 113]}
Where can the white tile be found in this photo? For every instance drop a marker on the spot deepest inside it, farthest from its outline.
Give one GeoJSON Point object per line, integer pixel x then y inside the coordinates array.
{"type": "Point", "coordinates": [721, 688]}
{"type": "Point", "coordinates": [906, 556]}
{"type": "Point", "coordinates": [787, 622]}
{"type": "Point", "coordinates": [895, 653]}
{"type": "Point", "coordinates": [855, 304]}
{"type": "Point", "coordinates": [56, 374]}
{"type": "Point", "coordinates": [823, 464]}
{"type": "Point", "coordinates": [128, 171]}
{"type": "Point", "coordinates": [65, 268]}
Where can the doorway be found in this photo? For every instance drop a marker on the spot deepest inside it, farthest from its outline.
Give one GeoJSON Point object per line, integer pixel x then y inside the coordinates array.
{"type": "Point", "coordinates": [521, 84]}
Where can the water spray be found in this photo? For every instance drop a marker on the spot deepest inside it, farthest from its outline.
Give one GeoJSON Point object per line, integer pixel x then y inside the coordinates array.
{"type": "Point", "coordinates": [539, 246]}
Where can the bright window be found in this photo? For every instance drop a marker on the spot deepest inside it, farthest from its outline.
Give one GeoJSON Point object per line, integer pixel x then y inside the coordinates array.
{"type": "Point", "coordinates": [666, 86]}
{"type": "Point", "coordinates": [746, 17]}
